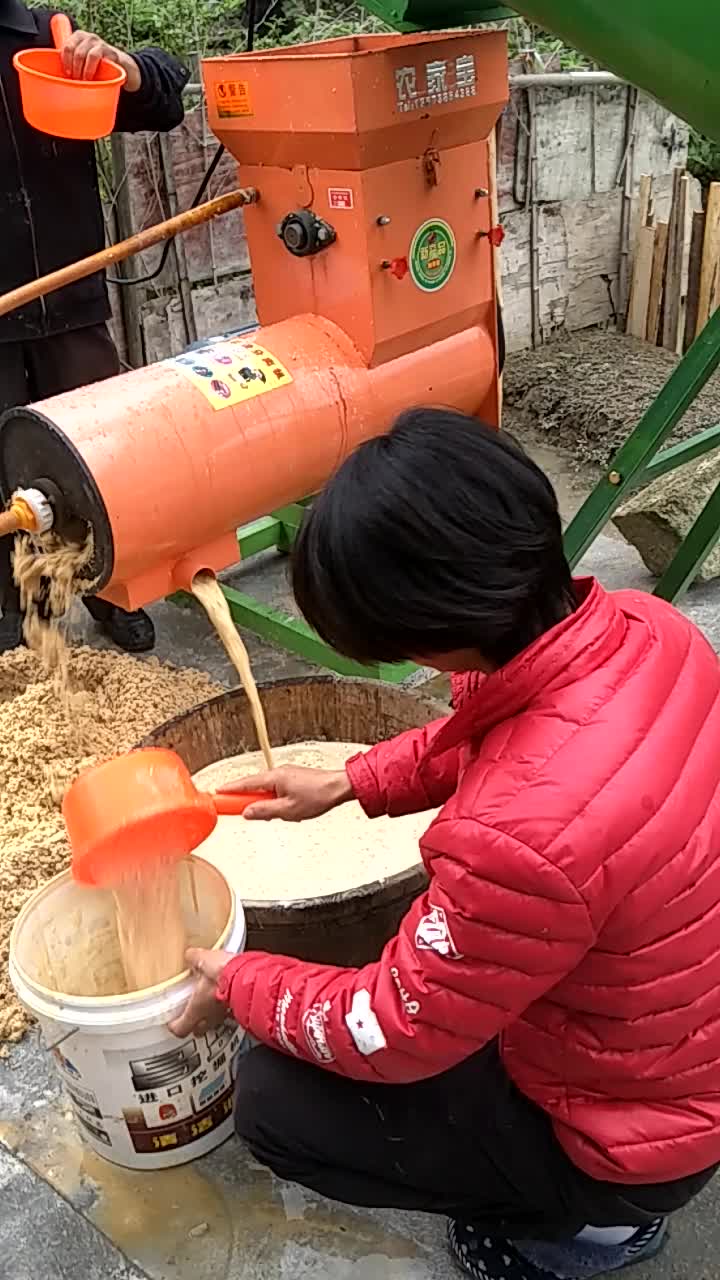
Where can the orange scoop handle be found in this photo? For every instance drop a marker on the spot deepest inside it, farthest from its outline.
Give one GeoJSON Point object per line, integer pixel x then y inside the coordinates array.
{"type": "Point", "coordinates": [61, 28]}
{"type": "Point", "coordinates": [228, 804]}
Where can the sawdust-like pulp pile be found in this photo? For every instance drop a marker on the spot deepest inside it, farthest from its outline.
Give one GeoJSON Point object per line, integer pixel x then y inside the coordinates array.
{"type": "Point", "coordinates": [586, 393]}
{"type": "Point", "coordinates": [62, 710]}
{"type": "Point", "coordinates": [110, 702]}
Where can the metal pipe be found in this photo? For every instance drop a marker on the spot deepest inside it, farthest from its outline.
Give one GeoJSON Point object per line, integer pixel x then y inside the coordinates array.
{"type": "Point", "coordinates": [563, 79]}
{"type": "Point", "coordinates": [534, 79]}
{"type": "Point", "coordinates": [531, 200]}
{"type": "Point", "coordinates": [118, 252]}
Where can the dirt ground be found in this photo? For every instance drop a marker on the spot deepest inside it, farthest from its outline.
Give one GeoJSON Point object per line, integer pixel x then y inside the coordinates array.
{"type": "Point", "coordinates": [580, 398]}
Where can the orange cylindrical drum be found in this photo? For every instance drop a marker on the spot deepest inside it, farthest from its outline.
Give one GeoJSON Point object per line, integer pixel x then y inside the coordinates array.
{"type": "Point", "coordinates": [177, 455]}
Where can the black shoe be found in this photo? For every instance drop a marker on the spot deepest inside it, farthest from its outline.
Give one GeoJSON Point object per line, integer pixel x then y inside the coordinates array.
{"type": "Point", "coordinates": [11, 632]}
{"type": "Point", "coordinates": [133, 632]}
{"type": "Point", "coordinates": [486, 1258]}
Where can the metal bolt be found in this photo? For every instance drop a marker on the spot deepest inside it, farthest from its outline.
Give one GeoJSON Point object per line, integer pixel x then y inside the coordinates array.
{"type": "Point", "coordinates": [383, 220]}
{"type": "Point", "coordinates": [481, 192]}
{"type": "Point", "coordinates": [615, 478]}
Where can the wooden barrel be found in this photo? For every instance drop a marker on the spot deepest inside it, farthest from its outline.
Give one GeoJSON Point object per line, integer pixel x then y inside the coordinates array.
{"type": "Point", "coordinates": [347, 928]}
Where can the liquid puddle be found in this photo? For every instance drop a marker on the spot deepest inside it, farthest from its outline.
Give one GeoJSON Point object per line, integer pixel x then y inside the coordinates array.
{"type": "Point", "coordinates": [194, 1223]}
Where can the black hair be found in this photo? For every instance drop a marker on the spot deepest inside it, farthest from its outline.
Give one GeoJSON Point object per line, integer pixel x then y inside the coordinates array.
{"type": "Point", "coordinates": [440, 535]}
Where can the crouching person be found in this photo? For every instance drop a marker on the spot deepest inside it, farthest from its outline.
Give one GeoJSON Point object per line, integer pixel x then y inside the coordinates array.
{"type": "Point", "coordinates": [536, 1053]}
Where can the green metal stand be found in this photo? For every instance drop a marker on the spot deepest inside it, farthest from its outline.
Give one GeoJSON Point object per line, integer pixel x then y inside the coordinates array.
{"type": "Point", "coordinates": [638, 462]}
{"type": "Point", "coordinates": [277, 533]}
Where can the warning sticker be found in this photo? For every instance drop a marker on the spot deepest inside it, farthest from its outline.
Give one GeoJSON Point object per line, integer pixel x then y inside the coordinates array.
{"type": "Point", "coordinates": [432, 255]}
{"type": "Point", "coordinates": [340, 197]}
{"type": "Point", "coordinates": [231, 371]}
{"type": "Point", "coordinates": [232, 98]}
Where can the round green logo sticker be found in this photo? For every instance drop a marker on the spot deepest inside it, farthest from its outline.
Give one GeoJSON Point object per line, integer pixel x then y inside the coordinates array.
{"type": "Point", "coordinates": [432, 255]}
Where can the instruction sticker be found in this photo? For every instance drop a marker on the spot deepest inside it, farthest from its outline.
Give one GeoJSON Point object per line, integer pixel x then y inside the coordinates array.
{"type": "Point", "coordinates": [232, 99]}
{"type": "Point", "coordinates": [432, 255]}
{"type": "Point", "coordinates": [232, 371]}
{"type": "Point", "coordinates": [148, 1139]}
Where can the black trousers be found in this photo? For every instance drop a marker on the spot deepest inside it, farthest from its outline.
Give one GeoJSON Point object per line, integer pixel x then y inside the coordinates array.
{"type": "Point", "coordinates": [39, 369]}
{"type": "Point", "coordinates": [466, 1144]}
{"type": "Point", "coordinates": [48, 366]}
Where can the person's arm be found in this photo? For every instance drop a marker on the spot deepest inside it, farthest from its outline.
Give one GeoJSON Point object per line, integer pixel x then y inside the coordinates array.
{"type": "Point", "coordinates": [395, 778]}
{"type": "Point", "coordinates": [152, 95]}
{"type": "Point", "coordinates": [499, 926]}
{"type": "Point", "coordinates": [391, 778]}
{"type": "Point", "coordinates": [157, 103]}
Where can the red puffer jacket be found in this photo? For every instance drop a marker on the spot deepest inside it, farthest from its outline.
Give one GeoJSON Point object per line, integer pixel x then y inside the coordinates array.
{"type": "Point", "coordinates": [574, 897]}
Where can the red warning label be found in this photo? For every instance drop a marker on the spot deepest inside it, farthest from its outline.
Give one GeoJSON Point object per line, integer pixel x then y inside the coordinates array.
{"type": "Point", "coordinates": [340, 198]}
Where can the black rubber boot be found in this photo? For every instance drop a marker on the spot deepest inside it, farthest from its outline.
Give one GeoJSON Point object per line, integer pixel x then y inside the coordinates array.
{"type": "Point", "coordinates": [132, 632]}
{"type": "Point", "coordinates": [11, 632]}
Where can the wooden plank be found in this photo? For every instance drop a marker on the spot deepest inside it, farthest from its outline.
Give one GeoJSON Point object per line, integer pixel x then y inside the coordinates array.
{"type": "Point", "coordinates": [697, 235]}
{"type": "Point", "coordinates": [129, 297]}
{"type": "Point", "coordinates": [673, 270]}
{"type": "Point", "coordinates": [496, 251]}
{"type": "Point", "coordinates": [657, 282]}
{"type": "Point", "coordinates": [710, 258]}
{"type": "Point", "coordinates": [640, 210]}
{"type": "Point", "coordinates": [640, 288]}
{"type": "Point", "coordinates": [715, 291]}
{"type": "Point", "coordinates": [683, 231]}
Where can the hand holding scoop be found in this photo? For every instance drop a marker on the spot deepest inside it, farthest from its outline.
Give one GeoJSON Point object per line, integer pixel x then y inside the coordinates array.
{"type": "Point", "coordinates": [136, 807]}
{"type": "Point", "coordinates": [56, 104]}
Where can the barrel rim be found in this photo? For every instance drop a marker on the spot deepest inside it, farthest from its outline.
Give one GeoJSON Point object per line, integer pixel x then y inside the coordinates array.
{"type": "Point", "coordinates": [129, 998]}
{"type": "Point", "coordinates": [400, 879]}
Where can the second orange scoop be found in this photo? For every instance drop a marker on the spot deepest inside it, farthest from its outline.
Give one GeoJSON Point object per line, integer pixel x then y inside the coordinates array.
{"type": "Point", "coordinates": [139, 806]}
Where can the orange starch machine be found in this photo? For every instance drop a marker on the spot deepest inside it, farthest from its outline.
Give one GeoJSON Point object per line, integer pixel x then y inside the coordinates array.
{"type": "Point", "coordinates": [372, 248]}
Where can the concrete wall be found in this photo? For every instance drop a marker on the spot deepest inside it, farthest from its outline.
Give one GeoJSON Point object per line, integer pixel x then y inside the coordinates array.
{"type": "Point", "coordinates": [574, 218]}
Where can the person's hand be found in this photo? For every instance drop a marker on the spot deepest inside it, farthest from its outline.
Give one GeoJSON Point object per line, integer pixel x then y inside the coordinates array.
{"type": "Point", "coordinates": [202, 1011]}
{"type": "Point", "coordinates": [83, 53]}
{"type": "Point", "coordinates": [299, 793]}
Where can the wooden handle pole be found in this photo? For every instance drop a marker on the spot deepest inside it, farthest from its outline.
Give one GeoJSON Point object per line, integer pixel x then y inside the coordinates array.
{"type": "Point", "coordinates": [125, 249]}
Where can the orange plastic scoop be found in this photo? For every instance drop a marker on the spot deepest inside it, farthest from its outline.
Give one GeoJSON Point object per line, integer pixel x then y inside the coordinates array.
{"type": "Point", "coordinates": [59, 105]}
{"type": "Point", "coordinates": [139, 806]}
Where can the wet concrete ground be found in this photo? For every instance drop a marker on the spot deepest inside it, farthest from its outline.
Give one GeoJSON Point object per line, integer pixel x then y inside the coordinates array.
{"type": "Point", "coordinates": [67, 1215]}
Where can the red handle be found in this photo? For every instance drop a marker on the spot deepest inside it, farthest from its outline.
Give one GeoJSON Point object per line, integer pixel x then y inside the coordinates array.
{"type": "Point", "coordinates": [232, 804]}
{"type": "Point", "coordinates": [61, 28]}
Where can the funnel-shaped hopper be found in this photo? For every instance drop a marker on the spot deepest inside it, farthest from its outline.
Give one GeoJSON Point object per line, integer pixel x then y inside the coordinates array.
{"type": "Point", "coordinates": [375, 147]}
{"type": "Point", "coordinates": [668, 50]}
{"type": "Point", "coordinates": [357, 102]}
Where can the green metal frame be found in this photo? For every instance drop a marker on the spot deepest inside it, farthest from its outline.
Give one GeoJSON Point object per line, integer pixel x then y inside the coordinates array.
{"type": "Point", "coordinates": [638, 462]}
{"type": "Point", "coordinates": [277, 533]}
{"type": "Point", "coordinates": [425, 15]}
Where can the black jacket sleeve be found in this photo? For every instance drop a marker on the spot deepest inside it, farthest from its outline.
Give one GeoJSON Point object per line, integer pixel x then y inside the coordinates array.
{"type": "Point", "coordinates": [158, 103]}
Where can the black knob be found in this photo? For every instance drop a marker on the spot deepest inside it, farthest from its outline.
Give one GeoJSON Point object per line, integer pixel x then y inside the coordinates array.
{"type": "Point", "coordinates": [303, 233]}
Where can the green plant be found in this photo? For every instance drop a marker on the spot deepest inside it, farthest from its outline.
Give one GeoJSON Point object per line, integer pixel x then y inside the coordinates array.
{"type": "Point", "coordinates": [201, 27]}
{"type": "Point", "coordinates": [551, 52]}
{"type": "Point", "coordinates": [703, 158]}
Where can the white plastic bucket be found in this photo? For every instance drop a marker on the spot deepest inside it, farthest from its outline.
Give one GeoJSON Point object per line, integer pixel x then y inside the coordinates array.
{"type": "Point", "coordinates": [142, 1098]}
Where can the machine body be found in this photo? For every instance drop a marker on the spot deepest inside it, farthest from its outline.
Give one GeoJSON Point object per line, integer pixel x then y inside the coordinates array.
{"type": "Point", "coordinates": [372, 254]}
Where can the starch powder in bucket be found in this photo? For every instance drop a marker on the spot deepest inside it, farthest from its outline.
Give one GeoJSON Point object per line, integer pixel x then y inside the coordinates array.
{"type": "Point", "coordinates": [141, 1097]}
